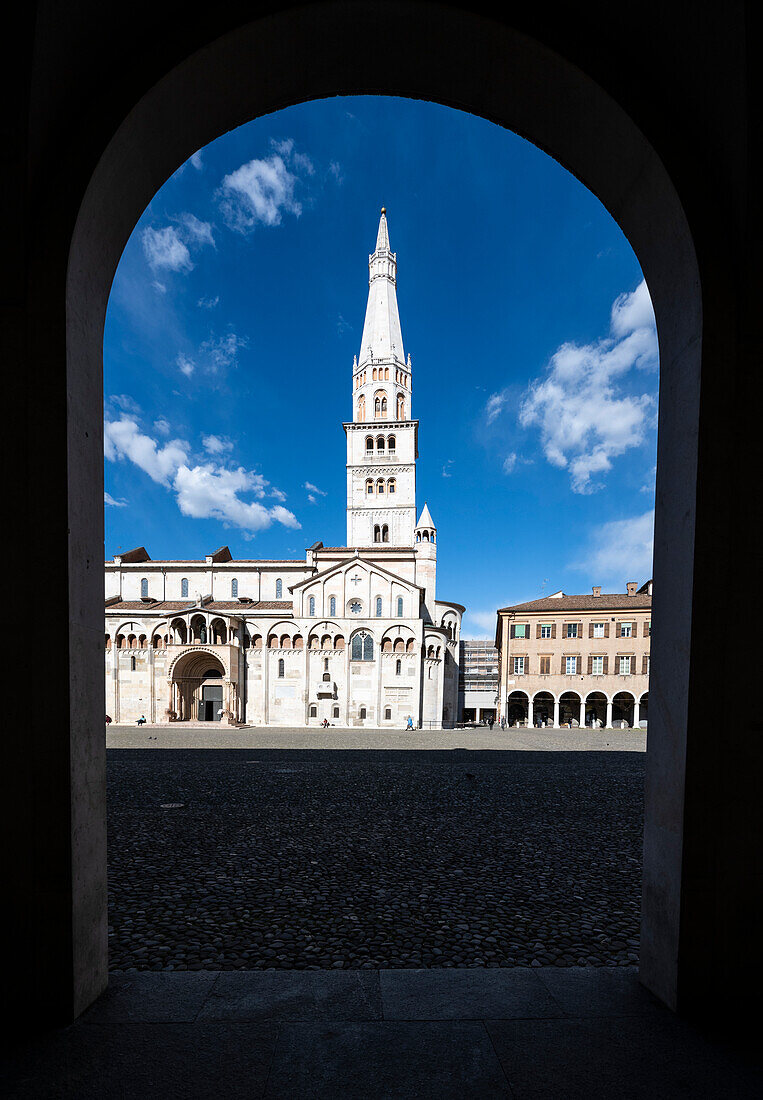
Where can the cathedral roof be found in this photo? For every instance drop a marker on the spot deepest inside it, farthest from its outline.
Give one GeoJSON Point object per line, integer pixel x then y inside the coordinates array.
{"type": "Point", "coordinates": [382, 336]}
{"type": "Point", "coordinates": [190, 605]}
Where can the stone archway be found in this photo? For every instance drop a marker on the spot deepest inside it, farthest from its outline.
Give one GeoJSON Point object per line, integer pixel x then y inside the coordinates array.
{"type": "Point", "coordinates": [200, 689]}
{"type": "Point", "coordinates": [462, 59]}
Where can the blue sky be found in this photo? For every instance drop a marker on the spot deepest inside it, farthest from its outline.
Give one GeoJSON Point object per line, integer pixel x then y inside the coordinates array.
{"type": "Point", "coordinates": [238, 305]}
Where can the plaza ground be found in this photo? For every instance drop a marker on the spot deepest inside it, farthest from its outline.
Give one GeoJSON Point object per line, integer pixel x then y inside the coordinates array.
{"type": "Point", "coordinates": [368, 850]}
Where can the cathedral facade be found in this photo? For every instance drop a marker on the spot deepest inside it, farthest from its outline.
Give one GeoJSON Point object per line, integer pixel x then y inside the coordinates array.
{"type": "Point", "coordinates": [353, 634]}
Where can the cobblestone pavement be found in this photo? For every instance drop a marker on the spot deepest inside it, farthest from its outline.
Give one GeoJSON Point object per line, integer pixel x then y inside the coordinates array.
{"type": "Point", "coordinates": [315, 859]}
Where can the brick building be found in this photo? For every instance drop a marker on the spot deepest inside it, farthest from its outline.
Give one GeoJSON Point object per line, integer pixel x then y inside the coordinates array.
{"type": "Point", "coordinates": [576, 659]}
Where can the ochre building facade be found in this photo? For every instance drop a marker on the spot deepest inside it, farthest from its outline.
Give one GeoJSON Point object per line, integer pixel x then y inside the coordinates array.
{"type": "Point", "coordinates": [575, 660]}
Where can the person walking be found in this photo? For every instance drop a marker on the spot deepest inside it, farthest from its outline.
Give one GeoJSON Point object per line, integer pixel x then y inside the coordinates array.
{"type": "Point", "coordinates": [490, 722]}
{"type": "Point", "coordinates": [409, 724]}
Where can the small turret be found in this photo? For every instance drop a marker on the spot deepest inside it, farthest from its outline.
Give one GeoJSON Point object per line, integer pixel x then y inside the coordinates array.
{"type": "Point", "coordinates": [425, 546]}
{"type": "Point", "coordinates": [425, 528]}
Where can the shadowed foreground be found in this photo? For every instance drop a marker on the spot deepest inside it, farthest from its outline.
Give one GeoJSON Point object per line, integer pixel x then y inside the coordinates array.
{"type": "Point", "coordinates": [260, 858]}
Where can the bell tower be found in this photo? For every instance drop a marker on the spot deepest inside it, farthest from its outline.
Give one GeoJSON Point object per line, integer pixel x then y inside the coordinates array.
{"type": "Point", "coordinates": [382, 436]}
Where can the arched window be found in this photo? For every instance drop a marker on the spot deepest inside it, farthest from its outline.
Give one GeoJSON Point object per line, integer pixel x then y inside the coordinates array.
{"type": "Point", "coordinates": [313, 711]}
{"type": "Point", "coordinates": [378, 607]}
{"type": "Point", "coordinates": [380, 443]}
{"type": "Point", "coordinates": [386, 374]}
{"type": "Point", "coordinates": [369, 443]}
{"type": "Point", "coordinates": [370, 487]}
{"type": "Point", "coordinates": [362, 647]}
{"type": "Point", "coordinates": [311, 607]}
{"type": "Point", "coordinates": [377, 406]}
{"type": "Point", "coordinates": [377, 533]}
{"type": "Point", "coordinates": [384, 406]}
{"type": "Point", "coordinates": [281, 668]}
{"type": "Point", "coordinates": [335, 712]}
{"type": "Point", "coordinates": [279, 589]}
{"type": "Point", "coordinates": [144, 588]}
{"type": "Point", "coordinates": [388, 713]}
{"type": "Point", "coordinates": [184, 588]}
{"type": "Point", "coordinates": [385, 533]}
{"type": "Point", "coordinates": [380, 488]}
{"type": "Point", "coordinates": [362, 408]}
{"type": "Point", "coordinates": [400, 407]}
{"type": "Point", "coordinates": [391, 485]}
{"type": "Point", "coordinates": [426, 536]}
{"type": "Point", "coordinates": [391, 444]}
{"type": "Point", "coordinates": [373, 375]}
{"type": "Point", "coordinates": [399, 607]}
{"type": "Point", "coordinates": [362, 712]}
{"type": "Point", "coordinates": [332, 606]}
{"type": "Point", "coordinates": [234, 589]}
{"type": "Point", "coordinates": [398, 668]}
{"type": "Point", "coordinates": [108, 642]}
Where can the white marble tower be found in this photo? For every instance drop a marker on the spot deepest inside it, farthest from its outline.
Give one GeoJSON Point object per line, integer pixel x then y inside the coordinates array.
{"type": "Point", "coordinates": [382, 436]}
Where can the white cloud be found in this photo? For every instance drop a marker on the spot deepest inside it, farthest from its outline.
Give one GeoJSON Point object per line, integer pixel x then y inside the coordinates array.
{"type": "Point", "coordinates": [343, 325]}
{"type": "Point", "coordinates": [162, 426]}
{"type": "Point", "coordinates": [210, 492]}
{"type": "Point", "coordinates": [446, 468]}
{"type": "Point", "coordinates": [494, 406]}
{"type": "Point", "coordinates": [584, 415]}
{"type": "Point", "coordinates": [208, 303]}
{"type": "Point", "coordinates": [509, 463]}
{"type": "Point", "coordinates": [124, 439]}
{"type": "Point", "coordinates": [278, 494]}
{"type": "Point", "coordinates": [222, 351]}
{"type": "Point", "coordinates": [160, 288]}
{"type": "Point", "coordinates": [185, 365]}
{"type": "Point", "coordinates": [196, 160]}
{"type": "Point", "coordinates": [109, 500]}
{"type": "Point", "coordinates": [124, 402]}
{"type": "Point", "coordinates": [313, 492]}
{"type": "Point", "coordinates": [632, 311]}
{"type": "Point", "coordinates": [202, 491]}
{"type": "Point", "coordinates": [486, 620]}
{"type": "Point", "coordinates": [216, 445]}
{"type": "Point", "coordinates": [196, 231]}
{"type": "Point", "coordinates": [620, 551]}
{"type": "Point", "coordinates": [262, 190]}
{"type": "Point", "coordinates": [165, 250]}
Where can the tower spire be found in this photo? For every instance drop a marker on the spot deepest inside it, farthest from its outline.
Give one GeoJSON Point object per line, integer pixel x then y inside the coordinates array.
{"type": "Point", "coordinates": [382, 336]}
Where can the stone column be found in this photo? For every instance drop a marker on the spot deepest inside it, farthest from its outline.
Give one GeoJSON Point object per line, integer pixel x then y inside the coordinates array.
{"type": "Point", "coordinates": [529, 712]}
{"type": "Point", "coordinates": [636, 715]}
{"type": "Point", "coordinates": [581, 718]}
{"type": "Point", "coordinates": [556, 714]}
{"type": "Point", "coordinates": [609, 715]}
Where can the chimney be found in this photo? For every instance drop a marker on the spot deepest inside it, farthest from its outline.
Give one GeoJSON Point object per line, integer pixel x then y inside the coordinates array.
{"type": "Point", "coordinates": [631, 587]}
{"type": "Point", "coordinates": [596, 590]}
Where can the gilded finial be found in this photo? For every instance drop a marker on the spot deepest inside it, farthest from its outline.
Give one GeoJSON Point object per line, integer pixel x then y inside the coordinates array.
{"type": "Point", "coordinates": [384, 210]}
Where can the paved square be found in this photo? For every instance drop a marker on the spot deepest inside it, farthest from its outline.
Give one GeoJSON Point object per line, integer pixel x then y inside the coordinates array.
{"type": "Point", "coordinates": [362, 859]}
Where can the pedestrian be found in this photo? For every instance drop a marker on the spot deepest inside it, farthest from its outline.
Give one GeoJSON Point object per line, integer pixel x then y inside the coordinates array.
{"type": "Point", "coordinates": [409, 723]}
{"type": "Point", "coordinates": [108, 720]}
{"type": "Point", "coordinates": [490, 721]}
{"type": "Point", "coordinates": [503, 721]}
{"type": "Point", "coordinates": [142, 720]}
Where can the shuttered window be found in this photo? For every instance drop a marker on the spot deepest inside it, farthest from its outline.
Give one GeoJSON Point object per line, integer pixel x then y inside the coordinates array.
{"type": "Point", "coordinates": [597, 630]}
{"type": "Point", "coordinates": [647, 630]}
{"type": "Point", "coordinates": [645, 665]}
{"type": "Point", "coordinates": [625, 666]}
{"type": "Point", "coordinates": [571, 630]}
{"type": "Point", "coordinates": [520, 630]}
{"type": "Point", "coordinates": [597, 666]}
{"type": "Point", "coordinates": [545, 666]}
{"type": "Point", "coordinates": [544, 630]}
{"type": "Point", "coordinates": [519, 666]}
{"type": "Point", "coordinates": [570, 666]}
